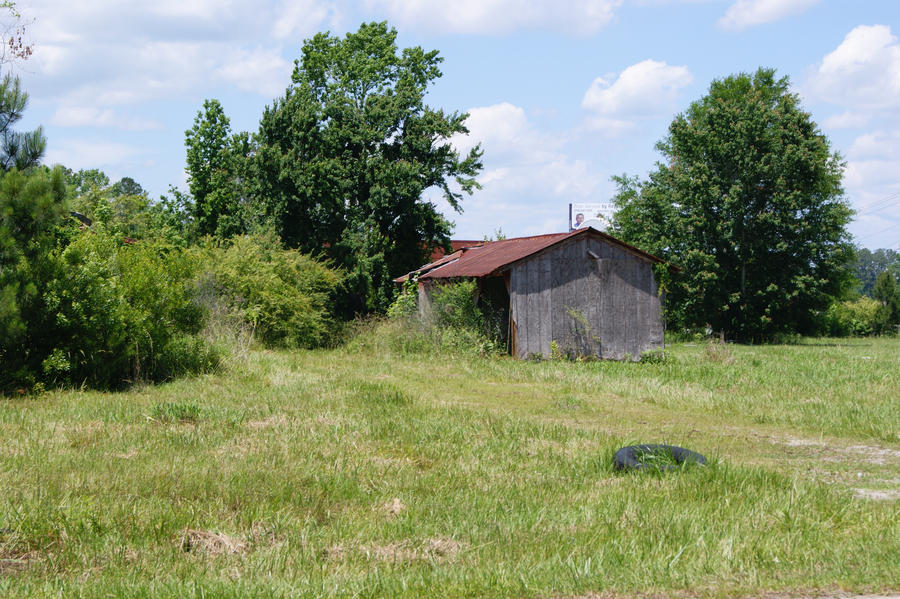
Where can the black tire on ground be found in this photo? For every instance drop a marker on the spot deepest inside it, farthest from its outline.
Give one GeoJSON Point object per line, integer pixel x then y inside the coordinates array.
{"type": "Point", "coordinates": [629, 458]}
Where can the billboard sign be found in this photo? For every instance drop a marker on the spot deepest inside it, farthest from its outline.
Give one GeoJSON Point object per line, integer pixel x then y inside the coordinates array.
{"type": "Point", "coordinates": [598, 215]}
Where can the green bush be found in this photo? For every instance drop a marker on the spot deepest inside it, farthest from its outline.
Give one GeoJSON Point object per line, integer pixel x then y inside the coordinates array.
{"type": "Point", "coordinates": [455, 324]}
{"type": "Point", "coordinates": [454, 306]}
{"type": "Point", "coordinates": [852, 318]}
{"type": "Point", "coordinates": [78, 307]}
{"type": "Point", "coordinates": [405, 304]}
{"type": "Point", "coordinates": [282, 294]}
{"type": "Point", "coordinates": [122, 313]}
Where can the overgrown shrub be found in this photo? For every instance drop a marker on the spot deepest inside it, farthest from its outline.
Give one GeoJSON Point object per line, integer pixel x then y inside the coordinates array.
{"type": "Point", "coordinates": [78, 307]}
{"type": "Point", "coordinates": [108, 314]}
{"type": "Point", "coordinates": [122, 313]}
{"type": "Point", "coordinates": [282, 295]}
{"type": "Point", "coordinates": [457, 323]}
{"type": "Point", "coordinates": [31, 211]}
{"type": "Point", "coordinates": [454, 306]}
{"type": "Point", "coordinates": [94, 308]}
{"type": "Point", "coordinates": [852, 318]}
{"type": "Point", "coordinates": [405, 304]}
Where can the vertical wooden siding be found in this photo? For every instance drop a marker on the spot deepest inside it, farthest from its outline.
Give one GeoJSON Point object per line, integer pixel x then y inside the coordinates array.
{"type": "Point", "coordinates": [606, 307]}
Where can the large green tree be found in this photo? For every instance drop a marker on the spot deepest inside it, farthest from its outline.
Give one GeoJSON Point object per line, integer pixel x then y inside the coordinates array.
{"type": "Point", "coordinates": [886, 292]}
{"type": "Point", "coordinates": [216, 161]}
{"type": "Point", "coordinates": [749, 204]}
{"type": "Point", "coordinates": [19, 149]}
{"type": "Point", "coordinates": [344, 157]}
{"type": "Point", "coordinates": [32, 207]}
{"type": "Point", "coordinates": [868, 265]}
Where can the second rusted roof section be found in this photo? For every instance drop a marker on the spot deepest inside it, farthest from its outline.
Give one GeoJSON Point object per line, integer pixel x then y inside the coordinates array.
{"type": "Point", "coordinates": [489, 257]}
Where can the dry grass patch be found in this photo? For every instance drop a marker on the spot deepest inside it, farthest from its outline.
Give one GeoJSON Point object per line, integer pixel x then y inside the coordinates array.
{"type": "Point", "coordinates": [873, 454]}
{"type": "Point", "coordinates": [204, 542]}
{"type": "Point", "coordinates": [11, 565]}
{"type": "Point", "coordinates": [436, 549]}
{"type": "Point", "coordinates": [393, 507]}
{"type": "Point", "coordinates": [14, 557]}
{"type": "Point", "coordinates": [273, 421]}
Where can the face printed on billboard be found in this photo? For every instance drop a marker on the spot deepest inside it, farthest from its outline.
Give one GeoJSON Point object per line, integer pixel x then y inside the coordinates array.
{"type": "Point", "coordinates": [597, 215]}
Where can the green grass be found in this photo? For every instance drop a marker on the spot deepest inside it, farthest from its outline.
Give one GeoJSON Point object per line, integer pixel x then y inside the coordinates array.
{"type": "Point", "coordinates": [363, 472]}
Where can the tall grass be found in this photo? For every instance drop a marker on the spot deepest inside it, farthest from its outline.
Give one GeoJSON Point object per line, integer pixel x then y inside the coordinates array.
{"type": "Point", "coordinates": [370, 472]}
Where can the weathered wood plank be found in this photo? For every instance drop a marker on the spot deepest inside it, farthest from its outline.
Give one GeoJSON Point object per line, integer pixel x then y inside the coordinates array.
{"type": "Point", "coordinates": [593, 297]}
{"type": "Point", "coordinates": [614, 297]}
{"type": "Point", "coordinates": [560, 293]}
{"type": "Point", "coordinates": [534, 312]}
{"type": "Point", "coordinates": [521, 279]}
{"type": "Point", "coordinates": [545, 281]}
{"type": "Point", "coordinates": [642, 311]}
{"type": "Point", "coordinates": [657, 327]}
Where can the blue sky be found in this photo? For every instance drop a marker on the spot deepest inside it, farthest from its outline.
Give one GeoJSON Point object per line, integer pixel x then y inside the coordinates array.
{"type": "Point", "coordinates": [562, 95]}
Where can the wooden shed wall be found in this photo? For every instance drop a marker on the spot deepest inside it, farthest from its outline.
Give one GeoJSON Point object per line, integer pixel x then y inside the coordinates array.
{"type": "Point", "coordinates": [608, 307]}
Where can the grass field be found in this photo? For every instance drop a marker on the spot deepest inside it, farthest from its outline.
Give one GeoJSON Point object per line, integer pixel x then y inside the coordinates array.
{"type": "Point", "coordinates": [364, 472]}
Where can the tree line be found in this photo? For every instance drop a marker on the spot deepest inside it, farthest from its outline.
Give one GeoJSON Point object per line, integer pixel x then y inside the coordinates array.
{"type": "Point", "coordinates": [289, 231]}
{"type": "Point", "coordinates": [748, 202]}
{"type": "Point", "coordinates": [284, 233]}
{"type": "Point", "coordinates": [339, 164]}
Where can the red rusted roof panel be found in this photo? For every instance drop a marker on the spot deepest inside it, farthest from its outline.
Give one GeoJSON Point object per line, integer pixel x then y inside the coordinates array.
{"type": "Point", "coordinates": [484, 259]}
{"type": "Point", "coordinates": [488, 257]}
{"type": "Point", "coordinates": [456, 244]}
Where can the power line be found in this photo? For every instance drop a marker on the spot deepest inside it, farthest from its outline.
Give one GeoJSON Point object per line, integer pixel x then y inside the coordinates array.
{"type": "Point", "coordinates": [894, 226]}
{"type": "Point", "coordinates": [878, 205]}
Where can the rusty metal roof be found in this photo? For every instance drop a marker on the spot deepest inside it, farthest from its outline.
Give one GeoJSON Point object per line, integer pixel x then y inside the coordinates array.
{"type": "Point", "coordinates": [488, 258]}
{"type": "Point", "coordinates": [455, 244]}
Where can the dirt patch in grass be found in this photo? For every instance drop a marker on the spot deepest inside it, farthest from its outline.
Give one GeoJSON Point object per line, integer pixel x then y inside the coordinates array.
{"type": "Point", "coordinates": [435, 549]}
{"type": "Point", "coordinates": [13, 558]}
{"type": "Point", "coordinates": [19, 553]}
{"type": "Point", "coordinates": [204, 542]}
{"type": "Point", "coordinates": [872, 454]}
{"type": "Point", "coordinates": [856, 466]}
{"type": "Point", "coordinates": [438, 549]}
{"type": "Point", "coordinates": [334, 553]}
{"type": "Point", "coordinates": [693, 594]}
{"type": "Point", "coordinates": [393, 507]}
{"type": "Point", "coordinates": [877, 494]}
{"type": "Point", "coordinates": [276, 420]}
{"type": "Point", "coordinates": [12, 565]}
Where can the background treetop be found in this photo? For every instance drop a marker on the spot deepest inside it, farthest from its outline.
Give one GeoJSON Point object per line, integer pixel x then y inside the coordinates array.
{"type": "Point", "coordinates": [342, 161]}
{"type": "Point", "coordinates": [749, 202]}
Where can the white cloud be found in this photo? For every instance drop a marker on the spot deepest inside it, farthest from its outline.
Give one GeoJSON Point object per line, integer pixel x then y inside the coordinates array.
{"type": "Point", "coordinates": [876, 145]}
{"type": "Point", "coordinates": [263, 71]}
{"type": "Point", "coordinates": [747, 13]}
{"type": "Point", "coordinates": [129, 52]}
{"type": "Point", "coordinates": [846, 120]}
{"type": "Point", "coordinates": [299, 17]}
{"type": "Point", "coordinates": [528, 178]}
{"type": "Point", "coordinates": [579, 17]}
{"type": "Point", "coordinates": [870, 179]}
{"type": "Point", "coordinates": [188, 9]}
{"type": "Point", "coordinates": [502, 127]}
{"type": "Point", "coordinates": [644, 90]}
{"type": "Point", "coordinates": [610, 127]}
{"type": "Point", "coordinates": [862, 77]}
{"type": "Point", "coordinates": [75, 116]}
{"type": "Point", "coordinates": [863, 72]}
{"type": "Point", "coordinates": [78, 154]}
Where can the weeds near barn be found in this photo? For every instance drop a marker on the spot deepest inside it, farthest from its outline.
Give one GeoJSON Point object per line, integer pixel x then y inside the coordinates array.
{"type": "Point", "coordinates": [372, 471]}
{"type": "Point", "coordinates": [717, 351]}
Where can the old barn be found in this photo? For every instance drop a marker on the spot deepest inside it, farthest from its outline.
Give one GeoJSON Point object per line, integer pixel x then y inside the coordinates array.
{"type": "Point", "coordinates": [587, 291]}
